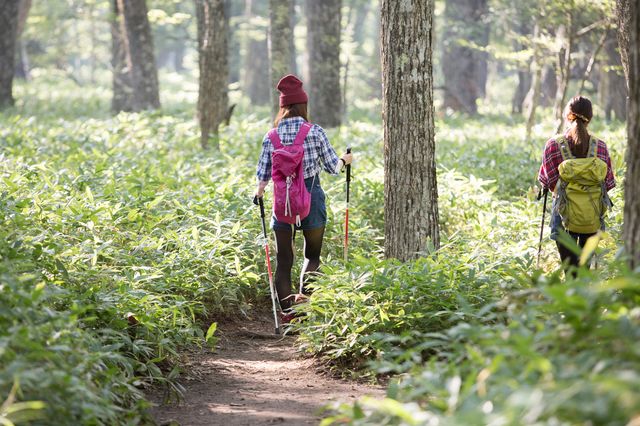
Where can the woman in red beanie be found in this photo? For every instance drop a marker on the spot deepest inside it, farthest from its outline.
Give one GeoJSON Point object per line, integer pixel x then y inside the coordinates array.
{"type": "Point", "coordinates": [318, 155]}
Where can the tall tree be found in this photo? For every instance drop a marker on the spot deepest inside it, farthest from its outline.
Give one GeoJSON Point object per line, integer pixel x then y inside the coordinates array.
{"type": "Point", "coordinates": [323, 38]}
{"type": "Point", "coordinates": [22, 63]}
{"type": "Point", "coordinates": [137, 45]}
{"type": "Point", "coordinates": [623, 17]}
{"type": "Point", "coordinates": [256, 61]}
{"type": "Point", "coordinates": [613, 86]}
{"type": "Point", "coordinates": [8, 32]}
{"type": "Point", "coordinates": [410, 194]}
{"type": "Point", "coordinates": [631, 188]}
{"type": "Point", "coordinates": [280, 44]}
{"type": "Point", "coordinates": [214, 68]}
{"type": "Point", "coordinates": [464, 66]}
{"type": "Point", "coordinates": [122, 99]}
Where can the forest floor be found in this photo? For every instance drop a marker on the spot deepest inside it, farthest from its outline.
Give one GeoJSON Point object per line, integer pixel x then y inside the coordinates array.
{"type": "Point", "coordinates": [254, 378]}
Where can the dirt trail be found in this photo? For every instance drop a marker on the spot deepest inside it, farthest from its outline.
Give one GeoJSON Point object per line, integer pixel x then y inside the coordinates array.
{"type": "Point", "coordinates": [254, 378]}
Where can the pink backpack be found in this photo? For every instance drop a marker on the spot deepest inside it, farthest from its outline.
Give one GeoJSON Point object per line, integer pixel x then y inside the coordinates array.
{"type": "Point", "coordinates": [292, 201]}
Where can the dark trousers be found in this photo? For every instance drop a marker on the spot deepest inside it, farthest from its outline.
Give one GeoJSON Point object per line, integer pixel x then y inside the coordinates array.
{"type": "Point", "coordinates": [568, 258]}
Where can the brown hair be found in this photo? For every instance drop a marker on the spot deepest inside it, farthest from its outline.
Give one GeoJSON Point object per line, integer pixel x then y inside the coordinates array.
{"type": "Point", "coordinates": [289, 111]}
{"type": "Point", "coordinates": [580, 111]}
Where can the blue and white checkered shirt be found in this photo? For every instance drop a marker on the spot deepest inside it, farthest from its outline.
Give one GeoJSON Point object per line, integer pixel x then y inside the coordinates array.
{"type": "Point", "coordinates": [318, 152]}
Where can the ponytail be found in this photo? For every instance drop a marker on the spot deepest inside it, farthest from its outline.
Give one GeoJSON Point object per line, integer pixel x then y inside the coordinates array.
{"type": "Point", "coordinates": [579, 112]}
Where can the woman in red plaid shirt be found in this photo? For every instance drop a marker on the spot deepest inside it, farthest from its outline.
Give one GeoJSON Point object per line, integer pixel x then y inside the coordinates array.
{"type": "Point", "coordinates": [578, 114]}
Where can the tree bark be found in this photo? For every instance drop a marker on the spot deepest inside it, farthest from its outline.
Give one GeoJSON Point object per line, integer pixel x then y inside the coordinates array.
{"type": "Point", "coordinates": [563, 68]}
{"type": "Point", "coordinates": [533, 97]}
{"type": "Point", "coordinates": [280, 44]}
{"type": "Point", "coordinates": [256, 64]}
{"type": "Point", "coordinates": [139, 57]}
{"type": "Point", "coordinates": [214, 68]}
{"type": "Point", "coordinates": [464, 67]}
{"type": "Point", "coordinates": [323, 38]}
{"type": "Point", "coordinates": [613, 90]}
{"type": "Point", "coordinates": [631, 230]}
{"type": "Point", "coordinates": [8, 34]}
{"type": "Point", "coordinates": [623, 18]}
{"type": "Point", "coordinates": [410, 194]}
{"type": "Point", "coordinates": [122, 86]}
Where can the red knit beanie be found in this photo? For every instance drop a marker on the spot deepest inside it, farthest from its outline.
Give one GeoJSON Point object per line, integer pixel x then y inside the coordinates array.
{"type": "Point", "coordinates": [291, 91]}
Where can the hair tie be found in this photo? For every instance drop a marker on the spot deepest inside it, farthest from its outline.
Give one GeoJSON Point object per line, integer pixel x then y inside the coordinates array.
{"type": "Point", "coordinates": [580, 116]}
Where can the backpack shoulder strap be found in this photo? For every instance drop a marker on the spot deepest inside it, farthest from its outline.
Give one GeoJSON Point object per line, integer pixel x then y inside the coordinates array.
{"type": "Point", "coordinates": [564, 149]}
{"type": "Point", "coordinates": [593, 147]}
{"type": "Point", "coordinates": [302, 133]}
{"type": "Point", "coordinates": [275, 138]}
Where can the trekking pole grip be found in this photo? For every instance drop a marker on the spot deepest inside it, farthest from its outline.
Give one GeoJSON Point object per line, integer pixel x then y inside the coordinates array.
{"type": "Point", "coordinates": [348, 166]}
{"type": "Point", "coordinates": [258, 201]}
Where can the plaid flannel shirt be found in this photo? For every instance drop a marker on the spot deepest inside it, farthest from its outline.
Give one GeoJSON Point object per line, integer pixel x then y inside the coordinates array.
{"type": "Point", "coordinates": [318, 152]}
{"type": "Point", "coordinates": [552, 157]}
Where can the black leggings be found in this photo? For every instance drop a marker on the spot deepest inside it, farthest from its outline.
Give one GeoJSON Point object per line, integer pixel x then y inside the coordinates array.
{"type": "Point", "coordinates": [568, 258]}
{"type": "Point", "coordinates": [285, 254]}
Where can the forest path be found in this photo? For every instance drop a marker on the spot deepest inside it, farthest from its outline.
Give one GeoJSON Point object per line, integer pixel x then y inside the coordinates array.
{"type": "Point", "coordinates": [255, 378]}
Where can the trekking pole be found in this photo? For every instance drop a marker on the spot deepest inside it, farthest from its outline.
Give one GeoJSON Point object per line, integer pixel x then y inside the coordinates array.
{"type": "Point", "coordinates": [544, 210]}
{"type": "Point", "coordinates": [274, 294]}
{"type": "Point", "coordinates": [346, 214]}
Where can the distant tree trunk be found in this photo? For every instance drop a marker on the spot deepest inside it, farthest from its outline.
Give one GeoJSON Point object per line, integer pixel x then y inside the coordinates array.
{"type": "Point", "coordinates": [631, 226]}
{"type": "Point", "coordinates": [22, 64]}
{"type": "Point", "coordinates": [524, 75]}
{"type": "Point", "coordinates": [214, 68]}
{"type": "Point", "coordinates": [564, 68]}
{"type": "Point", "coordinates": [548, 85]}
{"type": "Point", "coordinates": [614, 86]}
{"type": "Point", "coordinates": [410, 194]}
{"type": "Point", "coordinates": [122, 86]}
{"type": "Point", "coordinates": [623, 18]}
{"type": "Point", "coordinates": [323, 38]}
{"type": "Point", "coordinates": [139, 57]}
{"type": "Point", "coordinates": [256, 64]}
{"type": "Point", "coordinates": [280, 37]}
{"type": "Point", "coordinates": [592, 60]}
{"type": "Point", "coordinates": [464, 68]}
{"type": "Point", "coordinates": [533, 97]}
{"type": "Point", "coordinates": [8, 33]}
{"type": "Point", "coordinates": [233, 9]}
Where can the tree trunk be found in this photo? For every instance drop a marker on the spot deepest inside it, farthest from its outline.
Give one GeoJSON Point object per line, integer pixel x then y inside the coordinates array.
{"type": "Point", "coordinates": [464, 68]}
{"type": "Point", "coordinates": [524, 75]}
{"type": "Point", "coordinates": [232, 10]}
{"type": "Point", "coordinates": [614, 87]}
{"type": "Point", "coordinates": [140, 61]}
{"type": "Point", "coordinates": [280, 37]}
{"type": "Point", "coordinates": [22, 63]}
{"type": "Point", "coordinates": [631, 225]}
{"type": "Point", "coordinates": [548, 85]}
{"type": "Point", "coordinates": [623, 18]}
{"type": "Point", "coordinates": [410, 194]}
{"type": "Point", "coordinates": [214, 68]}
{"type": "Point", "coordinates": [323, 38]}
{"type": "Point", "coordinates": [8, 33]}
{"type": "Point", "coordinates": [122, 86]}
{"type": "Point", "coordinates": [564, 69]}
{"type": "Point", "coordinates": [256, 63]}
{"type": "Point", "coordinates": [533, 97]}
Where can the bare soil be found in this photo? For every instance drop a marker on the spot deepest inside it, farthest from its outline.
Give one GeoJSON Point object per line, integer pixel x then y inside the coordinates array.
{"type": "Point", "coordinates": [254, 378]}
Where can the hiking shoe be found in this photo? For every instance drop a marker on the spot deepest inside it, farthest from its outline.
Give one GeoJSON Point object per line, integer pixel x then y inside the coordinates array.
{"type": "Point", "coordinates": [286, 317]}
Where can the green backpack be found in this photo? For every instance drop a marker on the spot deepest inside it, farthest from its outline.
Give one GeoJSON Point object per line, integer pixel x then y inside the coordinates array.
{"type": "Point", "coordinates": [582, 197]}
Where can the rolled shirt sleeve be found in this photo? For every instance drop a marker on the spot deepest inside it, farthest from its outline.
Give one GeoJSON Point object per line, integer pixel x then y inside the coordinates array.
{"type": "Point", "coordinates": [263, 172]}
{"type": "Point", "coordinates": [328, 157]}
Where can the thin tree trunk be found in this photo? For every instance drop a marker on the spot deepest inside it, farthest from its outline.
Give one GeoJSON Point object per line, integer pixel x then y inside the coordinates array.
{"type": "Point", "coordinates": [323, 38]}
{"type": "Point", "coordinates": [256, 64]}
{"type": "Point", "coordinates": [8, 34]}
{"type": "Point", "coordinates": [564, 69]}
{"type": "Point", "coordinates": [139, 54]}
{"type": "Point", "coordinates": [524, 75]}
{"type": "Point", "coordinates": [631, 230]}
{"type": "Point", "coordinates": [280, 42]}
{"type": "Point", "coordinates": [122, 86]}
{"type": "Point", "coordinates": [533, 97]}
{"type": "Point", "coordinates": [623, 18]}
{"type": "Point", "coordinates": [411, 194]}
{"type": "Point", "coordinates": [214, 69]}
{"type": "Point", "coordinates": [613, 90]}
{"type": "Point", "coordinates": [592, 60]}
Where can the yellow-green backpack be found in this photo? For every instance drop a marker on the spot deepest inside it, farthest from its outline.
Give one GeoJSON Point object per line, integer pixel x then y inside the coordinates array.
{"type": "Point", "coordinates": [580, 189]}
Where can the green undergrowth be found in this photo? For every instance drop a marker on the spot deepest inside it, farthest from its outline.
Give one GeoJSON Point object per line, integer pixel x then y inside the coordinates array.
{"type": "Point", "coordinates": [121, 241]}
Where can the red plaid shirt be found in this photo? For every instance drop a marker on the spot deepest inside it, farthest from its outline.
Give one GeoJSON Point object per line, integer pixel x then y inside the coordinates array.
{"type": "Point", "coordinates": [552, 157]}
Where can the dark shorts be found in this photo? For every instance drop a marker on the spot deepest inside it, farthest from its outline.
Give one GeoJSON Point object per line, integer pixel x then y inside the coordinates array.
{"type": "Point", "coordinates": [317, 214]}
